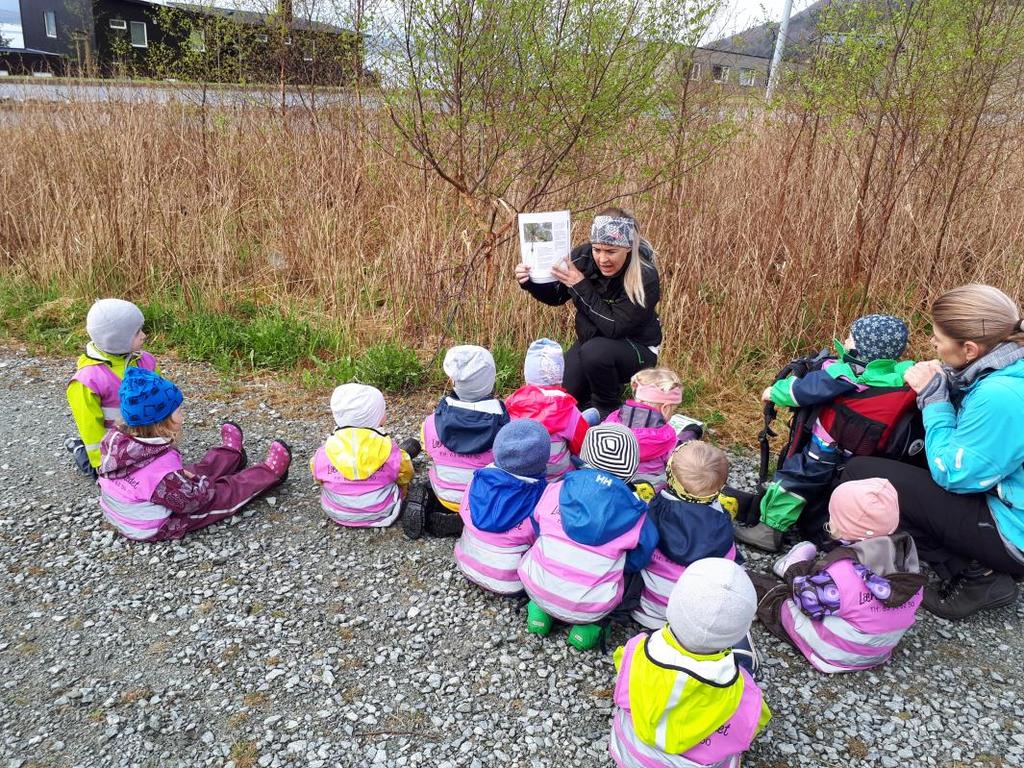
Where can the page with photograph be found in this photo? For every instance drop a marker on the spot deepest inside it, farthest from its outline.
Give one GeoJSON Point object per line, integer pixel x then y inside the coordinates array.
{"type": "Point", "coordinates": [544, 242]}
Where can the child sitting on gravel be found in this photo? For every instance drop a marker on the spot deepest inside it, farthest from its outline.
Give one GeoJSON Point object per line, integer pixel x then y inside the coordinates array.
{"type": "Point", "coordinates": [116, 337]}
{"type": "Point", "coordinates": [657, 393]}
{"type": "Point", "coordinates": [146, 493]}
{"type": "Point", "coordinates": [847, 610]}
{"type": "Point", "coordinates": [458, 437]}
{"type": "Point", "coordinates": [363, 473]}
{"type": "Point", "coordinates": [681, 699]}
{"type": "Point", "coordinates": [497, 530]}
{"type": "Point", "coordinates": [542, 398]}
{"type": "Point", "coordinates": [691, 526]}
{"type": "Point", "coordinates": [592, 530]}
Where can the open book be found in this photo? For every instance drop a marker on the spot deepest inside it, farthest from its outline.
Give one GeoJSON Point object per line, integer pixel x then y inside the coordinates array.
{"type": "Point", "coordinates": [543, 242]}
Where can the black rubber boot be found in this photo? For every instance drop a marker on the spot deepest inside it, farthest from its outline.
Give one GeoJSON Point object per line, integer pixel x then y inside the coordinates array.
{"type": "Point", "coordinates": [414, 512]}
{"type": "Point", "coordinates": [976, 589]}
{"type": "Point", "coordinates": [411, 446]}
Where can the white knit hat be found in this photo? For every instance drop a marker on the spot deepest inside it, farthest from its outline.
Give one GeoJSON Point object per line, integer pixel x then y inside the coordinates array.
{"type": "Point", "coordinates": [711, 606]}
{"type": "Point", "coordinates": [472, 371]}
{"type": "Point", "coordinates": [545, 363]}
{"type": "Point", "coordinates": [112, 325]}
{"type": "Point", "coordinates": [357, 405]}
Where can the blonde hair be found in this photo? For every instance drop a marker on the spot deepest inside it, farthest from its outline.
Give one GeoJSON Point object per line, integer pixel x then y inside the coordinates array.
{"type": "Point", "coordinates": [664, 379]}
{"type": "Point", "coordinates": [159, 429]}
{"type": "Point", "coordinates": [699, 468]}
{"type": "Point", "coordinates": [978, 313]}
{"type": "Point", "coordinates": [633, 280]}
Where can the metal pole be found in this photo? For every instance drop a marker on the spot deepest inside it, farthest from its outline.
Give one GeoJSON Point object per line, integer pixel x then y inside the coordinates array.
{"type": "Point", "coordinates": [780, 44]}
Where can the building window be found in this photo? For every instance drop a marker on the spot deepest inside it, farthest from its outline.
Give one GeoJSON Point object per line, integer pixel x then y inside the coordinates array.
{"type": "Point", "coordinates": [748, 77]}
{"type": "Point", "coordinates": [118, 24]}
{"type": "Point", "coordinates": [696, 70]}
{"type": "Point", "coordinates": [307, 54]}
{"type": "Point", "coordinates": [719, 73]}
{"type": "Point", "coordinates": [50, 19]}
{"type": "Point", "coordinates": [197, 40]}
{"type": "Point", "coordinates": [139, 38]}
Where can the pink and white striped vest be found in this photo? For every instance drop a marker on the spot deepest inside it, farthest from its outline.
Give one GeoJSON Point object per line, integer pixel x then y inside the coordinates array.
{"type": "Point", "coordinates": [101, 379]}
{"type": "Point", "coordinates": [492, 560]}
{"type": "Point", "coordinates": [721, 749]}
{"type": "Point", "coordinates": [659, 576]}
{"type": "Point", "coordinates": [862, 635]}
{"type": "Point", "coordinates": [450, 472]}
{"type": "Point", "coordinates": [371, 503]}
{"type": "Point", "coordinates": [125, 501]}
{"type": "Point", "coordinates": [575, 583]}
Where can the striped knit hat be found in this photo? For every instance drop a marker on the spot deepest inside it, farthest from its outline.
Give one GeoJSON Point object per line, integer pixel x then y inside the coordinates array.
{"type": "Point", "coordinates": [611, 448]}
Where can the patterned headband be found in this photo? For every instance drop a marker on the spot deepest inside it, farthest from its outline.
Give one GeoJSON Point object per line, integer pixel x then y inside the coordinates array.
{"type": "Point", "coordinates": [609, 230]}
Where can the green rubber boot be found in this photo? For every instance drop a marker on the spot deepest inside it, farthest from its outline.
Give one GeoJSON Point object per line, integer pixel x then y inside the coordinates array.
{"type": "Point", "coordinates": [537, 622]}
{"type": "Point", "coordinates": [585, 636]}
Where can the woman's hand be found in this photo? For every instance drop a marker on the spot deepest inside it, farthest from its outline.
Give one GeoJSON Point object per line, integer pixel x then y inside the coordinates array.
{"type": "Point", "coordinates": [567, 274]}
{"type": "Point", "coordinates": [919, 374]}
{"type": "Point", "coordinates": [522, 273]}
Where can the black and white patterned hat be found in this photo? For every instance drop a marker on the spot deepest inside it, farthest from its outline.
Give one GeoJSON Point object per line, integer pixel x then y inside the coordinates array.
{"type": "Point", "coordinates": [611, 448]}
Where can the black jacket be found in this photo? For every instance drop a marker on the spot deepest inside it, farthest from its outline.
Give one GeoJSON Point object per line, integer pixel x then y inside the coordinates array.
{"type": "Point", "coordinates": [602, 307]}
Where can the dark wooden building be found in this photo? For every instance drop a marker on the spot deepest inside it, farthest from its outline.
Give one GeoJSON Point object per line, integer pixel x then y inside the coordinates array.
{"type": "Point", "coordinates": [137, 38]}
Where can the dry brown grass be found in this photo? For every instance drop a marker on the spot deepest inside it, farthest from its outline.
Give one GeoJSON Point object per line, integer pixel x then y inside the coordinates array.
{"type": "Point", "coordinates": [756, 247]}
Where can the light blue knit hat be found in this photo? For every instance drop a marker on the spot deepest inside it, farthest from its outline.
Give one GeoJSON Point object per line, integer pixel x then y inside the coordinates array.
{"type": "Point", "coordinates": [544, 364]}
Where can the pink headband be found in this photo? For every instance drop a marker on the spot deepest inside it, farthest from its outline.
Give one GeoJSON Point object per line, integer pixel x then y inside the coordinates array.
{"type": "Point", "coordinates": [649, 393]}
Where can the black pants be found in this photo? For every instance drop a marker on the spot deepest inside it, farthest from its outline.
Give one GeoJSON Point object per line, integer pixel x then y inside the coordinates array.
{"type": "Point", "coordinates": [598, 369]}
{"type": "Point", "coordinates": [949, 529]}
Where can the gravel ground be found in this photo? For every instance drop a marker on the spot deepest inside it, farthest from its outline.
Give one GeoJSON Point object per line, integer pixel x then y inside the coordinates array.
{"type": "Point", "coordinates": [278, 640]}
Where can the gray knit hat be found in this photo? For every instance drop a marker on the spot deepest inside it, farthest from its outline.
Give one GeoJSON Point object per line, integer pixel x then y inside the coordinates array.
{"type": "Point", "coordinates": [112, 325]}
{"type": "Point", "coordinates": [522, 447]}
{"type": "Point", "coordinates": [472, 371]}
{"type": "Point", "coordinates": [611, 448]}
{"type": "Point", "coordinates": [711, 606]}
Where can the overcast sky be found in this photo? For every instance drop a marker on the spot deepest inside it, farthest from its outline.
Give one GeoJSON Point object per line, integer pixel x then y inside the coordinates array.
{"type": "Point", "coordinates": [737, 15]}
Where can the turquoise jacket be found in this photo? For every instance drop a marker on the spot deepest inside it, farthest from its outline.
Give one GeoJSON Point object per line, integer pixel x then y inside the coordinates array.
{"type": "Point", "coordinates": [979, 447]}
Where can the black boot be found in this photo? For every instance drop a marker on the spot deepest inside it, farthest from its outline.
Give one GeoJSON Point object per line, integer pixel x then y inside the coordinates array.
{"type": "Point", "coordinates": [414, 512]}
{"type": "Point", "coordinates": [976, 589]}
{"type": "Point", "coordinates": [411, 446]}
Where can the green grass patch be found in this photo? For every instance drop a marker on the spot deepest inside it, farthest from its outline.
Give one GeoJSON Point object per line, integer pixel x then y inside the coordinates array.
{"type": "Point", "coordinates": [391, 367]}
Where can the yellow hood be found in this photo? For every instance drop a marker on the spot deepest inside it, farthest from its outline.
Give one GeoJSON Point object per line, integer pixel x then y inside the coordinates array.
{"type": "Point", "coordinates": [357, 452]}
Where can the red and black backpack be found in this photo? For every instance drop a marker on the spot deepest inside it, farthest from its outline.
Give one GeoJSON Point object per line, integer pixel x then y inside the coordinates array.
{"type": "Point", "coordinates": [880, 421]}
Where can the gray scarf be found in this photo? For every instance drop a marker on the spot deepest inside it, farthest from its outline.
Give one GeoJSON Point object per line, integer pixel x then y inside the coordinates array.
{"type": "Point", "coordinates": [952, 383]}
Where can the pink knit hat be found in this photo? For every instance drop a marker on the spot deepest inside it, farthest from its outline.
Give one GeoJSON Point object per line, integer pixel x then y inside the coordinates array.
{"type": "Point", "coordinates": [861, 509]}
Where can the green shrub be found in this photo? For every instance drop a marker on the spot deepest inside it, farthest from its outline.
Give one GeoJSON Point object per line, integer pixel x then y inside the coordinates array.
{"type": "Point", "coordinates": [328, 373]}
{"type": "Point", "coordinates": [508, 360]}
{"type": "Point", "coordinates": [389, 367]}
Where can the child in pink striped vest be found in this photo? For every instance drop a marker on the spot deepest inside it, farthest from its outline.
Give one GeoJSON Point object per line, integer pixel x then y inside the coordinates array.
{"type": "Point", "coordinates": [592, 531]}
{"type": "Point", "coordinates": [458, 437]}
{"type": "Point", "coordinates": [848, 609]}
{"type": "Point", "coordinates": [691, 526]}
{"type": "Point", "coordinates": [146, 492]}
{"type": "Point", "coordinates": [497, 529]}
{"type": "Point", "coordinates": [681, 698]}
{"type": "Point", "coordinates": [657, 393]}
{"type": "Point", "coordinates": [115, 344]}
{"type": "Point", "coordinates": [362, 472]}
{"type": "Point", "coordinates": [543, 399]}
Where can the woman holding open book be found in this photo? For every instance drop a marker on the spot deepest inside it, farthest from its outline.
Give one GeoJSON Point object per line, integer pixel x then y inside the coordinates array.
{"type": "Point", "coordinates": [614, 284]}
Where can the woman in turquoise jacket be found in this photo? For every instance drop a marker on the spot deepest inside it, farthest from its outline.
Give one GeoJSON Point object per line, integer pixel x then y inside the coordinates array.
{"type": "Point", "coordinates": [966, 512]}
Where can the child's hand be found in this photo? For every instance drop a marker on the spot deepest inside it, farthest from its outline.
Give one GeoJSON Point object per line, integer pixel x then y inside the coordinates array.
{"type": "Point", "coordinates": [766, 396]}
{"type": "Point", "coordinates": [522, 273]}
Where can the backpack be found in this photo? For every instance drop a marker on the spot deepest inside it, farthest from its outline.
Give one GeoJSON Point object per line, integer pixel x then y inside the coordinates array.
{"type": "Point", "coordinates": [880, 421]}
